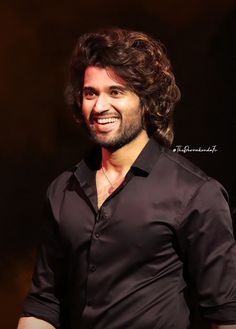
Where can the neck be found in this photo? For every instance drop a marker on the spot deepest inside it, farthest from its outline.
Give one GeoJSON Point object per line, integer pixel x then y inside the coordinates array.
{"type": "Point", "coordinates": [122, 159]}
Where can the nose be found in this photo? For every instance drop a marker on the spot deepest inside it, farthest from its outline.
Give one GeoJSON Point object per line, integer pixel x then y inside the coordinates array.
{"type": "Point", "coordinates": [101, 104]}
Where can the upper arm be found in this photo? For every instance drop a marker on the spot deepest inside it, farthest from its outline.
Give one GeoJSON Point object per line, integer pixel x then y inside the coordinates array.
{"type": "Point", "coordinates": [209, 249]}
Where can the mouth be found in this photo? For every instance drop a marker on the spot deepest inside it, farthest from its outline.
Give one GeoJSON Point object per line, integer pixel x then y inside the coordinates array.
{"type": "Point", "coordinates": [105, 124]}
{"type": "Point", "coordinates": [104, 121]}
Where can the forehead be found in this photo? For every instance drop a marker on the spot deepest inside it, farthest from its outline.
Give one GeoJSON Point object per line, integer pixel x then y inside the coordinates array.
{"type": "Point", "coordinates": [95, 75]}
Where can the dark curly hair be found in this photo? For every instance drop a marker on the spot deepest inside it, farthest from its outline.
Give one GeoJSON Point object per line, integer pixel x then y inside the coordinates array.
{"type": "Point", "coordinates": [139, 60]}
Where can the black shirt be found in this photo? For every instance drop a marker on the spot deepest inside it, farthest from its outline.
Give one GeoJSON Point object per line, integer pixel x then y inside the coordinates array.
{"type": "Point", "coordinates": [123, 266]}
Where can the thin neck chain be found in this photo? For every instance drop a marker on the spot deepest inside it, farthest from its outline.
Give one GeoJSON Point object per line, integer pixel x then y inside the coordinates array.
{"type": "Point", "coordinates": [107, 178]}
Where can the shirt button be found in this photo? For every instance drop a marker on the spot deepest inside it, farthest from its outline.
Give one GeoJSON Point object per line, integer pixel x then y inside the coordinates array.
{"type": "Point", "coordinates": [104, 216]}
{"type": "Point", "coordinates": [92, 268]}
{"type": "Point", "coordinates": [103, 212]}
{"type": "Point", "coordinates": [97, 235]}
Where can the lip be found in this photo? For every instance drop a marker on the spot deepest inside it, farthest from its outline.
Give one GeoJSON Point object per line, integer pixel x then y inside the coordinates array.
{"type": "Point", "coordinates": [105, 124]}
{"type": "Point", "coordinates": [97, 116]}
{"type": "Point", "coordinates": [105, 120]}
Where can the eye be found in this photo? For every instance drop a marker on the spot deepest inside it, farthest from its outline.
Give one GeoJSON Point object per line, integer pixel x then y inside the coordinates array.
{"type": "Point", "coordinates": [89, 93]}
{"type": "Point", "coordinates": [116, 92]}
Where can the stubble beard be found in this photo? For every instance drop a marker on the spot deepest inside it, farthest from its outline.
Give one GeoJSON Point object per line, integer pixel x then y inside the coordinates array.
{"type": "Point", "coordinates": [122, 138]}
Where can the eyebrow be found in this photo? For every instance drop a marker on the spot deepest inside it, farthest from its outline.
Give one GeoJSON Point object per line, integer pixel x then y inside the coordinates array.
{"type": "Point", "coordinates": [122, 88]}
{"type": "Point", "coordinates": [88, 88]}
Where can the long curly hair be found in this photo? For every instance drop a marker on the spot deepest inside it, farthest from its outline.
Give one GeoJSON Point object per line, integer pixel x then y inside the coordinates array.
{"type": "Point", "coordinates": [141, 62]}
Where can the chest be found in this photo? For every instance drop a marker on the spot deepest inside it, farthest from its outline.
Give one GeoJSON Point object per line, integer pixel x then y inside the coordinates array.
{"type": "Point", "coordinates": [105, 187]}
{"type": "Point", "coordinates": [136, 217]}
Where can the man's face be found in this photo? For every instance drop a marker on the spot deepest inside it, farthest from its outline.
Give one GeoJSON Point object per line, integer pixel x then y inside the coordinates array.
{"type": "Point", "coordinates": [111, 111]}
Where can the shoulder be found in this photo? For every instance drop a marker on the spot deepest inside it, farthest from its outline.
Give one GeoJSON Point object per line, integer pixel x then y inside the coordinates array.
{"type": "Point", "coordinates": [57, 190]}
{"type": "Point", "coordinates": [183, 166]}
{"type": "Point", "coordinates": [61, 182]}
{"type": "Point", "coordinates": [178, 172]}
{"type": "Point", "coordinates": [182, 179]}
{"type": "Point", "coordinates": [189, 171]}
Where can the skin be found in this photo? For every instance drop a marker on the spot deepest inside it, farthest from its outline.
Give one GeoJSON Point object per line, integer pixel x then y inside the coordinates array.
{"type": "Point", "coordinates": [112, 112]}
{"type": "Point", "coordinates": [113, 115]}
{"type": "Point", "coordinates": [33, 323]}
{"type": "Point", "coordinates": [121, 136]}
{"type": "Point", "coordinates": [230, 326]}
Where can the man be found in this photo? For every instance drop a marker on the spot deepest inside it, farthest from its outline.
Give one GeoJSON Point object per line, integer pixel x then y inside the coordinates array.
{"type": "Point", "coordinates": [133, 222]}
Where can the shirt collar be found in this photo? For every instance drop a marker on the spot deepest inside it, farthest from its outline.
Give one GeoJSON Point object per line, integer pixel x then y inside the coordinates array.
{"type": "Point", "coordinates": [86, 169]}
{"type": "Point", "coordinates": [147, 158]}
{"type": "Point", "coordinates": [143, 165]}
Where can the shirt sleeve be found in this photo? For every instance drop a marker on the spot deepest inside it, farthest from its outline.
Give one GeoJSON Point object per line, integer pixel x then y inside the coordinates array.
{"type": "Point", "coordinates": [44, 298]}
{"type": "Point", "coordinates": [209, 252]}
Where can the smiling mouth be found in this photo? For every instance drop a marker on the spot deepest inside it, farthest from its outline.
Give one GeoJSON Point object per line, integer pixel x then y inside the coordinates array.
{"type": "Point", "coordinates": [104, 121]}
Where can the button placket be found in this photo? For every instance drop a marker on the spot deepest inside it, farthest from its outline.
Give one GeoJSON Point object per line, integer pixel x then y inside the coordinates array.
{"type": "Point", "coordinates": [93, 258]}
{"type": "Point", "coordinates": [96, 254]}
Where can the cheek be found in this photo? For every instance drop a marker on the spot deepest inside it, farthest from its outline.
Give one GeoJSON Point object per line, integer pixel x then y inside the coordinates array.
{"type": "Point", "coordinates": [130, 106]}
{"type": "Point", "coordinates": [135, 111]}
{"type": "Point", "coordinates": [86, 110]}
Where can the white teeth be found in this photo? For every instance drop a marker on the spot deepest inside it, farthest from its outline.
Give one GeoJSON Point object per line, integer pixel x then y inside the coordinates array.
{"type": "Point", "coordinates": [106, 120]}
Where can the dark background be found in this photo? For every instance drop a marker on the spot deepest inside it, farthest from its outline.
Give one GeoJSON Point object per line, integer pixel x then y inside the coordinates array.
{"type": "Point", "coordinates": [39, 138]}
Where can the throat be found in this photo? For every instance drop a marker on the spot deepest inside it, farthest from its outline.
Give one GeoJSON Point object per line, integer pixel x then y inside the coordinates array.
{"type": "Point", "coordinates": [106, 185]}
